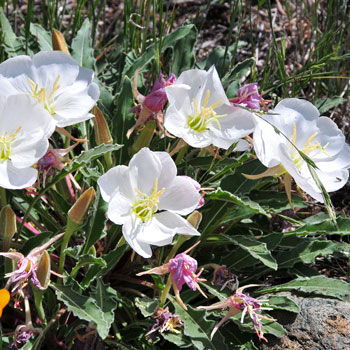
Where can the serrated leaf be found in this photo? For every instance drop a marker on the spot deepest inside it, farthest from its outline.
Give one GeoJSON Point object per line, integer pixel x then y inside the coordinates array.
{"type": "Point", "coordinates": [198, 328]}
{"type": "Point", "coordinates": [147, 306]}
{"type": "Point", "coordinates": [13, 45]}
{"type": "Point", "coordinates": [82, 49]}
{"type": "Point", "coordinates": [82, 307]}
{"type": "Point", "coordinates": [282, 302]}
{"type": "Point", "coordinates": [315, 285]}
{"type": "Point", "coordinates": [111, 258]}
{"type": "Point", "coordinates": [305, 252]}
{"type": "Point", "coordinates": [255, 248]}
{"type": "Point", "coordinates": [105, 298]}
{"type": "Point", "coordinates": [178, 339]}
{"type": "Point", "coordinates": [243, 201]}
{"type": "Point", "coordinates": [321, 226]}
{"type": "Point", "coordinates": [44, 38]}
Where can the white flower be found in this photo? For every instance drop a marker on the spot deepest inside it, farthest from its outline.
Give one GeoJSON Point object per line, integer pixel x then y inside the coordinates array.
{"type": "Point", "coordinates": [317, 137]}
{"type": "Point", "coordinates": [200, 113]}
{"type": "Point", "coordinates": [147, 198]}
{"type": "Point", "coordinates": [55, 80]}
{"type": "Point", "coordinates": [24, 131]}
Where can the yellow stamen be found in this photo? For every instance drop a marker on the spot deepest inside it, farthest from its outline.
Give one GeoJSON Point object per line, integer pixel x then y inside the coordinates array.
{"type": "Point", "coordinates": [41, 96]}
{"type": "Point", "coordinates": [5, 144]}
{"type": "Point", "coordinates": [146, 205]}
{"type": "Point", "coordinates": [203, 116]}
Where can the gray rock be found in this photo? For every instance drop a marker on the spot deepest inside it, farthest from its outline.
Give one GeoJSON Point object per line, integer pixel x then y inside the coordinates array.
{"type": "Point", "coordinates": [322, 324]}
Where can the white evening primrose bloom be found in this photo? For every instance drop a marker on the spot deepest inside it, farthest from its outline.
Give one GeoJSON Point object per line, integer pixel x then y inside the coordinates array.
{"type": "Point", "coordinates": [55, 80]}
{"type": "Point", "coordinates": [317, 137]}
{"type": "Point", "coordinates": [200, 113]}
{"type": "Point", "coordinates": [148, 199]}
{"type": "Point", "coordinates": [24, 131]}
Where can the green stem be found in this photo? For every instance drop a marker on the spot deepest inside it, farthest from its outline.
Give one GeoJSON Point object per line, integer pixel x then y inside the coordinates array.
{"type": "Point", "coordinates": [67, 140]}
{"type": "Point", "coordinates": [3, 197]}
{"type": "Point", "coordinates": [29, 323]}
{"type": "Point", "coordinates": [165, 292]}
{"type": "Point", "coordinates": [174, 249]}
{"type": "Point", "coordinates": [108, 160]}
{"type": "Point", "coordinates": [172, 253]}
{"type": "Point", "coordinates": [38, 301]}
{"type": "Point", "coordinates": [121, 242]}
{"type": "Point", "coordinates": [70, 229]}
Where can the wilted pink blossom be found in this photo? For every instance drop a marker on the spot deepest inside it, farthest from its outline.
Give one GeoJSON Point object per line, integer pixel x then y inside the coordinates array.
{"type": "Point", "coordinates": [156, 99]}
{"type": "Point", "coordinates": [241, 302]}
{"type": "Point", "coordinates": [248, 96]}
{"type": "Point", "coordinates": [165, 322]}
{"type": "Point", "coordinates": [26, 267]}
{"type": "Point", "coordinates": [150, 107]}
{"type": "Point", "coordinates": [182, 270]}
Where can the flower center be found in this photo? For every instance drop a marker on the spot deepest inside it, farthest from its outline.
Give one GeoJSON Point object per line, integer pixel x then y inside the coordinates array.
{"type": "Point", "coordinates": [145, 205]}
{"type": "Point", "coordinates": [41, 96]}
{"type": "Point", "coordinates": [203, 116]}
{"type": "Point", "coordinates": [5, 145]}
{"type": "Point", "coordinates": [307, 149]}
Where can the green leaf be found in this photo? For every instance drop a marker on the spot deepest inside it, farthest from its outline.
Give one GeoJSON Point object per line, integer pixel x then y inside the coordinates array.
{"type": "Point", "coordinates": [305, 252]}
{"type": "Point", "coordinates": [83, 307]}
{"type": "Point", "coordinates": [178, 339]}
{"type": "Point", "coordinates": [82, 49]}
{"type": "Point", "coordinates": [87, 259]}
{"type": "Point", "coordinates": [281, 302]}
{"type": "Point", "coordinates": [111, 258]}
{"type": "Point", "coordinates": [125, 120]}
{"type": "Point", "coordinates": [198, 328]}
{"type": "Point", "coordinates": [237, 183]}
{"type": "Point", "coordinates": [169, 42]}
{"type": "Point", "coordinates": [240, 70]}
{"type": "Point", "coordinates": [13, 45]}
{"type": "Point", "coordinates": [183, 52]}
{"type": "Point", "coordinates": [243, 201]}
{"type": "Point", "coordinates": [43, 37]}
{"type": "Point", "coordinates": [321, 285]}
{"type": "Point", "coordinates": [318, 225]}
{"type": "Point", "coordinates": [255, 248]}
{"type": "Point", "coordinates": [105, 298]}
{"type": "Point", "coordinates": [147, 306]}
{"type": "Point", "coordinates": [325, 104]}
{"type": "Point", "coordinates": [87, 157]}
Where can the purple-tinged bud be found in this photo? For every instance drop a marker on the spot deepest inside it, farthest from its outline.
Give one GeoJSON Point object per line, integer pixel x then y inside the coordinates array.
{"type": "Point", "coordinates": [102, 132]}
{"type": "Point", "coordinates": [80, 208]}
{"type": "Point", "coordinates": [43, 271]}
{"type": "Point", "coordinates": [7, 225]}
{"type": "Point", "coordinates": [58, 42]}
{"type": "Point", "coordinates": [47, 161]}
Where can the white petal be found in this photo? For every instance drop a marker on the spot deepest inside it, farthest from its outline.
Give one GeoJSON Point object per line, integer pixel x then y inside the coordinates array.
{"type": "Point", "coordinates": [130, 232]}
{"type": "Point", "coordinates": [15, 178]}
{"type": "Point", "coordinates": [114, 180]}
{"type": "Point", "coordinates": [119, 209]}
{"type": "Point", "coordinates": [169, 169]}
{"type": "Point", "coordinates": [28, 148]}
{"type": "Point", "coordinates": [163, 227]}
{"type": "Point", "coordinates": [145, 167]}
{"type": "Point", "coordinates": [181, 197]}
